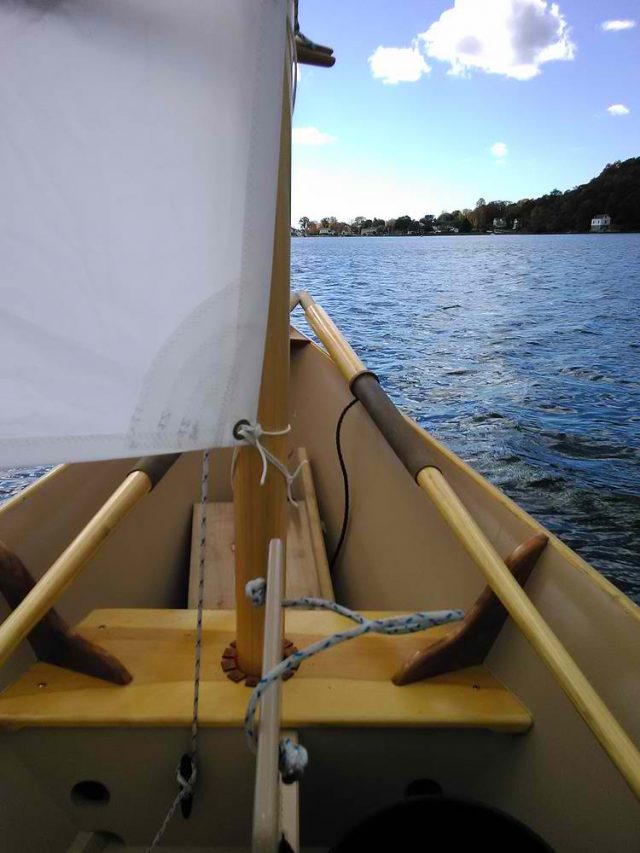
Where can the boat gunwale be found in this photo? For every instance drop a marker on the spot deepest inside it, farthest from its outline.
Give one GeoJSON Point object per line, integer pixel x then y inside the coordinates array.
{"type": "Point", "coordinates": [23, 495]}
{"type": "Point", "coordinates": [493, 492]}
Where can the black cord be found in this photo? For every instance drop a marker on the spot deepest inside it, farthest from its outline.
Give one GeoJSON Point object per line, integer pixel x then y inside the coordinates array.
{"type": "Point", "coordinates": [345, 480]}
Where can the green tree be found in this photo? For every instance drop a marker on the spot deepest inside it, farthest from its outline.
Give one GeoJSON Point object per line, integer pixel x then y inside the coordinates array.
{"type": "Point", "coordinates": [403, 224]}
{"type": "Point", "coordinates": [540, 219]}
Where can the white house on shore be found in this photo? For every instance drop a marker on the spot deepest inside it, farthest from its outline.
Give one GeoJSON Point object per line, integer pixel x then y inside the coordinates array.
{"type": "Point", "coordinates": [600, 222]}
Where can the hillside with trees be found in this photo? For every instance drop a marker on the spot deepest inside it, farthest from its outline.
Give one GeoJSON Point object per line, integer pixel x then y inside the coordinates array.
{"type": "Point", "coordinates": [616, 191]}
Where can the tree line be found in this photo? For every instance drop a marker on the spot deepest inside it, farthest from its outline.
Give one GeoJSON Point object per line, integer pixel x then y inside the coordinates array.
{"type": "Point", "coordinates": [616, 191]}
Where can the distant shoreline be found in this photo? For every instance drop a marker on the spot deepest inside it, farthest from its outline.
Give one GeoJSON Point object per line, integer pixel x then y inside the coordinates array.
{"type": "Point", "coordinates": [522, 233]}
{"type": "Point", "coordinates": [610, 203]}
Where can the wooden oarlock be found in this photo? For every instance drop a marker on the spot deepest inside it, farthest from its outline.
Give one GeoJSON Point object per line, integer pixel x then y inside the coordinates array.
{"type": "Point", "coordinates": [52, 640]}
{"type": "Point", "coordinates": [402, 438]}
{"type": "Point", "coordinates": [143, 477]}
{"type": "Point", "coordinates": [261, 512]}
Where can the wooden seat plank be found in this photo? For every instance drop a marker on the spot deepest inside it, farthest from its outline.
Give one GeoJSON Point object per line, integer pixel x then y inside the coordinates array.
{"type": "Point", "coordinates": [307, 566]}
{"type": "Point", "coordinates": [348, 685]}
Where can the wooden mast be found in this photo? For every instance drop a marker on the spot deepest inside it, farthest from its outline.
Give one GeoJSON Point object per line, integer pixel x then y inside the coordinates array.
{"type": "Point", "coordinates": [261, 512]}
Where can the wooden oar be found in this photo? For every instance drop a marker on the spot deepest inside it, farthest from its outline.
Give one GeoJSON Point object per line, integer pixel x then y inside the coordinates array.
{"type": "Point", "coordinates": [142, 478]}
{"type": "Point", "coordinates": [415, 456]}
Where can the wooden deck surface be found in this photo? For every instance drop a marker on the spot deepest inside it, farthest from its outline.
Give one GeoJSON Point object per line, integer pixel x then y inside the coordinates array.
{"type": "Point", "coordinates": [345, 686]}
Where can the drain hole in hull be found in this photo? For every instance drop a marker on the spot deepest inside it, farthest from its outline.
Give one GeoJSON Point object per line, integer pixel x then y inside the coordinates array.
{"type": "Point", "coordinates": [90, 792]}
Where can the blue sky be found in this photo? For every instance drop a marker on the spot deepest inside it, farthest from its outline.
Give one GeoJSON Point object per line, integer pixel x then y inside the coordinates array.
{"type": "Point", "coordinates": [537, 77]}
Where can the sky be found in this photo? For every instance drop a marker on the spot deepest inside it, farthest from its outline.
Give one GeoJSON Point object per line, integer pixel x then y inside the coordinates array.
{"type": "Point", "coordinates": [433, 104]}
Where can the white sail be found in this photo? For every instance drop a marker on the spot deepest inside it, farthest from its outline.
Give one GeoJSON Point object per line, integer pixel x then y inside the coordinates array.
{"type": "Point", "coordinates": [138, 163]}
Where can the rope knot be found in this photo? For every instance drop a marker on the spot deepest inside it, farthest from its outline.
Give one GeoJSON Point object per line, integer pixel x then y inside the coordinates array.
{"type": "Point", "coordinates": [252, 434]}
{"type": "Point", "coordinates": [293, 757]}
{"type": "Point", "coordinates": [256, 591]}
{"type": "Point", "coordinates": [292, 761]}
{"type": "Point", "coordinates": [186, 774]}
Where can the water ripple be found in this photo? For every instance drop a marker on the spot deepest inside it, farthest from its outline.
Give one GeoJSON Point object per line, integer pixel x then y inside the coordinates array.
{"type": "Point", "coordinates": [521, 353]}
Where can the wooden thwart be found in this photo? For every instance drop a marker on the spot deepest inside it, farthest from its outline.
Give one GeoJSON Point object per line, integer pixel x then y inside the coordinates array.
{"type": "Point", "coordinates": [349, 685]}
{"type": "Point", "coordinates": [52, 640]}
{"type": "Point", "coordinates": [470, 641]}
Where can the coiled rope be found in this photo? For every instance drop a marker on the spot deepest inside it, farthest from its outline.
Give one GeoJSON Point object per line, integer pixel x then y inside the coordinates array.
{"type": "Point", "coordinates": [293, 757]}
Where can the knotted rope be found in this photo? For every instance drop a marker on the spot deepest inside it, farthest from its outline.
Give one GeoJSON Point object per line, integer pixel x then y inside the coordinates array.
{"type": "Point", "coordinates": [252, 435]}
{"type": "Point", "coordinates": [293, 757]}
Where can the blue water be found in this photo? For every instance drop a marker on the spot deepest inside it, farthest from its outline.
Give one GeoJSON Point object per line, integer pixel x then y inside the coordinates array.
{"type": "Point", "coordinates": [522, 353]}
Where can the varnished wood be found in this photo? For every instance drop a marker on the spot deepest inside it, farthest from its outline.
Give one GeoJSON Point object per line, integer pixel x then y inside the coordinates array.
{"type": "Point", "coordinates": [266, 806]}
{"type": "Point", "coordinates": [610, 734]}
{"type": "Point", "coordinates": [469, 642]}
{"type": "Point", "coordinates": [317, 55]}
{"type": "Point", "coordinates": [349, 685]}
{"type": "Point", "coordinates": [340, 351]}
{"type": "Point", "coordinates": [307, 570]}
{"type": "Point", "coordinates": [261, 511]}
{"type": "Point", "coordinates": [51, 585]}
{"type": "Point", "coordinates": [52, 640]}
{"type": "Point", "coordinates": [219, 557]}
{"type": "Point", "coordinates": [569, 676]}
{"type": "Point", "coordinates": [315, 527]}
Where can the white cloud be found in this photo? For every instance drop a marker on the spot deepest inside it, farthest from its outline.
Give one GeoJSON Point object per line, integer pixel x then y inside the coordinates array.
{"type": "Point", "coordinates": [618, 110]}
{"type": "Point", "coordinates": [499, 149]}
{"type": "Point", "coordinates": [615, 26]}
{"type": "Point", "coordinates": [398, 64]}
{"type": "Point", "coordinates": [510, 37]}
{"type": "Point", "coordinates": [310, 136]}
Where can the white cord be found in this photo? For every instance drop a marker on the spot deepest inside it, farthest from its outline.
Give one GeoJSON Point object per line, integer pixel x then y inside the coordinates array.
{"type": "Point", "coordinates": [252, 434]}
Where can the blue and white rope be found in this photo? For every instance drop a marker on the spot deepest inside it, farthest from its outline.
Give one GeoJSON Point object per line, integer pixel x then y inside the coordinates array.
{"type": "Point", "coordinates": [293, 757]}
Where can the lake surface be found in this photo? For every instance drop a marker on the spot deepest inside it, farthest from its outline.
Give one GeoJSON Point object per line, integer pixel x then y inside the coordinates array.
{"type": "Point", "coordinates": [521, 353]}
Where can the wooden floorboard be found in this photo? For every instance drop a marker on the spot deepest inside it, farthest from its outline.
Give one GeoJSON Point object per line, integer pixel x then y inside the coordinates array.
{"type": "Point", "coordinates": [307, 567]}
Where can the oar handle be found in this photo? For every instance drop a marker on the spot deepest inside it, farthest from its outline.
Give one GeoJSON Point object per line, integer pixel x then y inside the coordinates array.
{"type": "Point", "coordinates": [401, 436]}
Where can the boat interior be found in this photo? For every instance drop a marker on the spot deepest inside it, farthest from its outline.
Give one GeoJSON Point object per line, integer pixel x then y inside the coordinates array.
{"type": "Point", "coordinates": [90, 765]}
{"type": "Point", "coordinates": [135, 621]}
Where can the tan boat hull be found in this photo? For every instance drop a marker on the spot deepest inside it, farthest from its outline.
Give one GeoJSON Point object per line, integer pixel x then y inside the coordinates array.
{"type": "Point", "coordinates": [399, 555]}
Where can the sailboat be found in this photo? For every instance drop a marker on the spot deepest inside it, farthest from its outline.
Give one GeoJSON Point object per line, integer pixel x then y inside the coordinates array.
{"type": "Point", "coordinates": [256, 607]}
